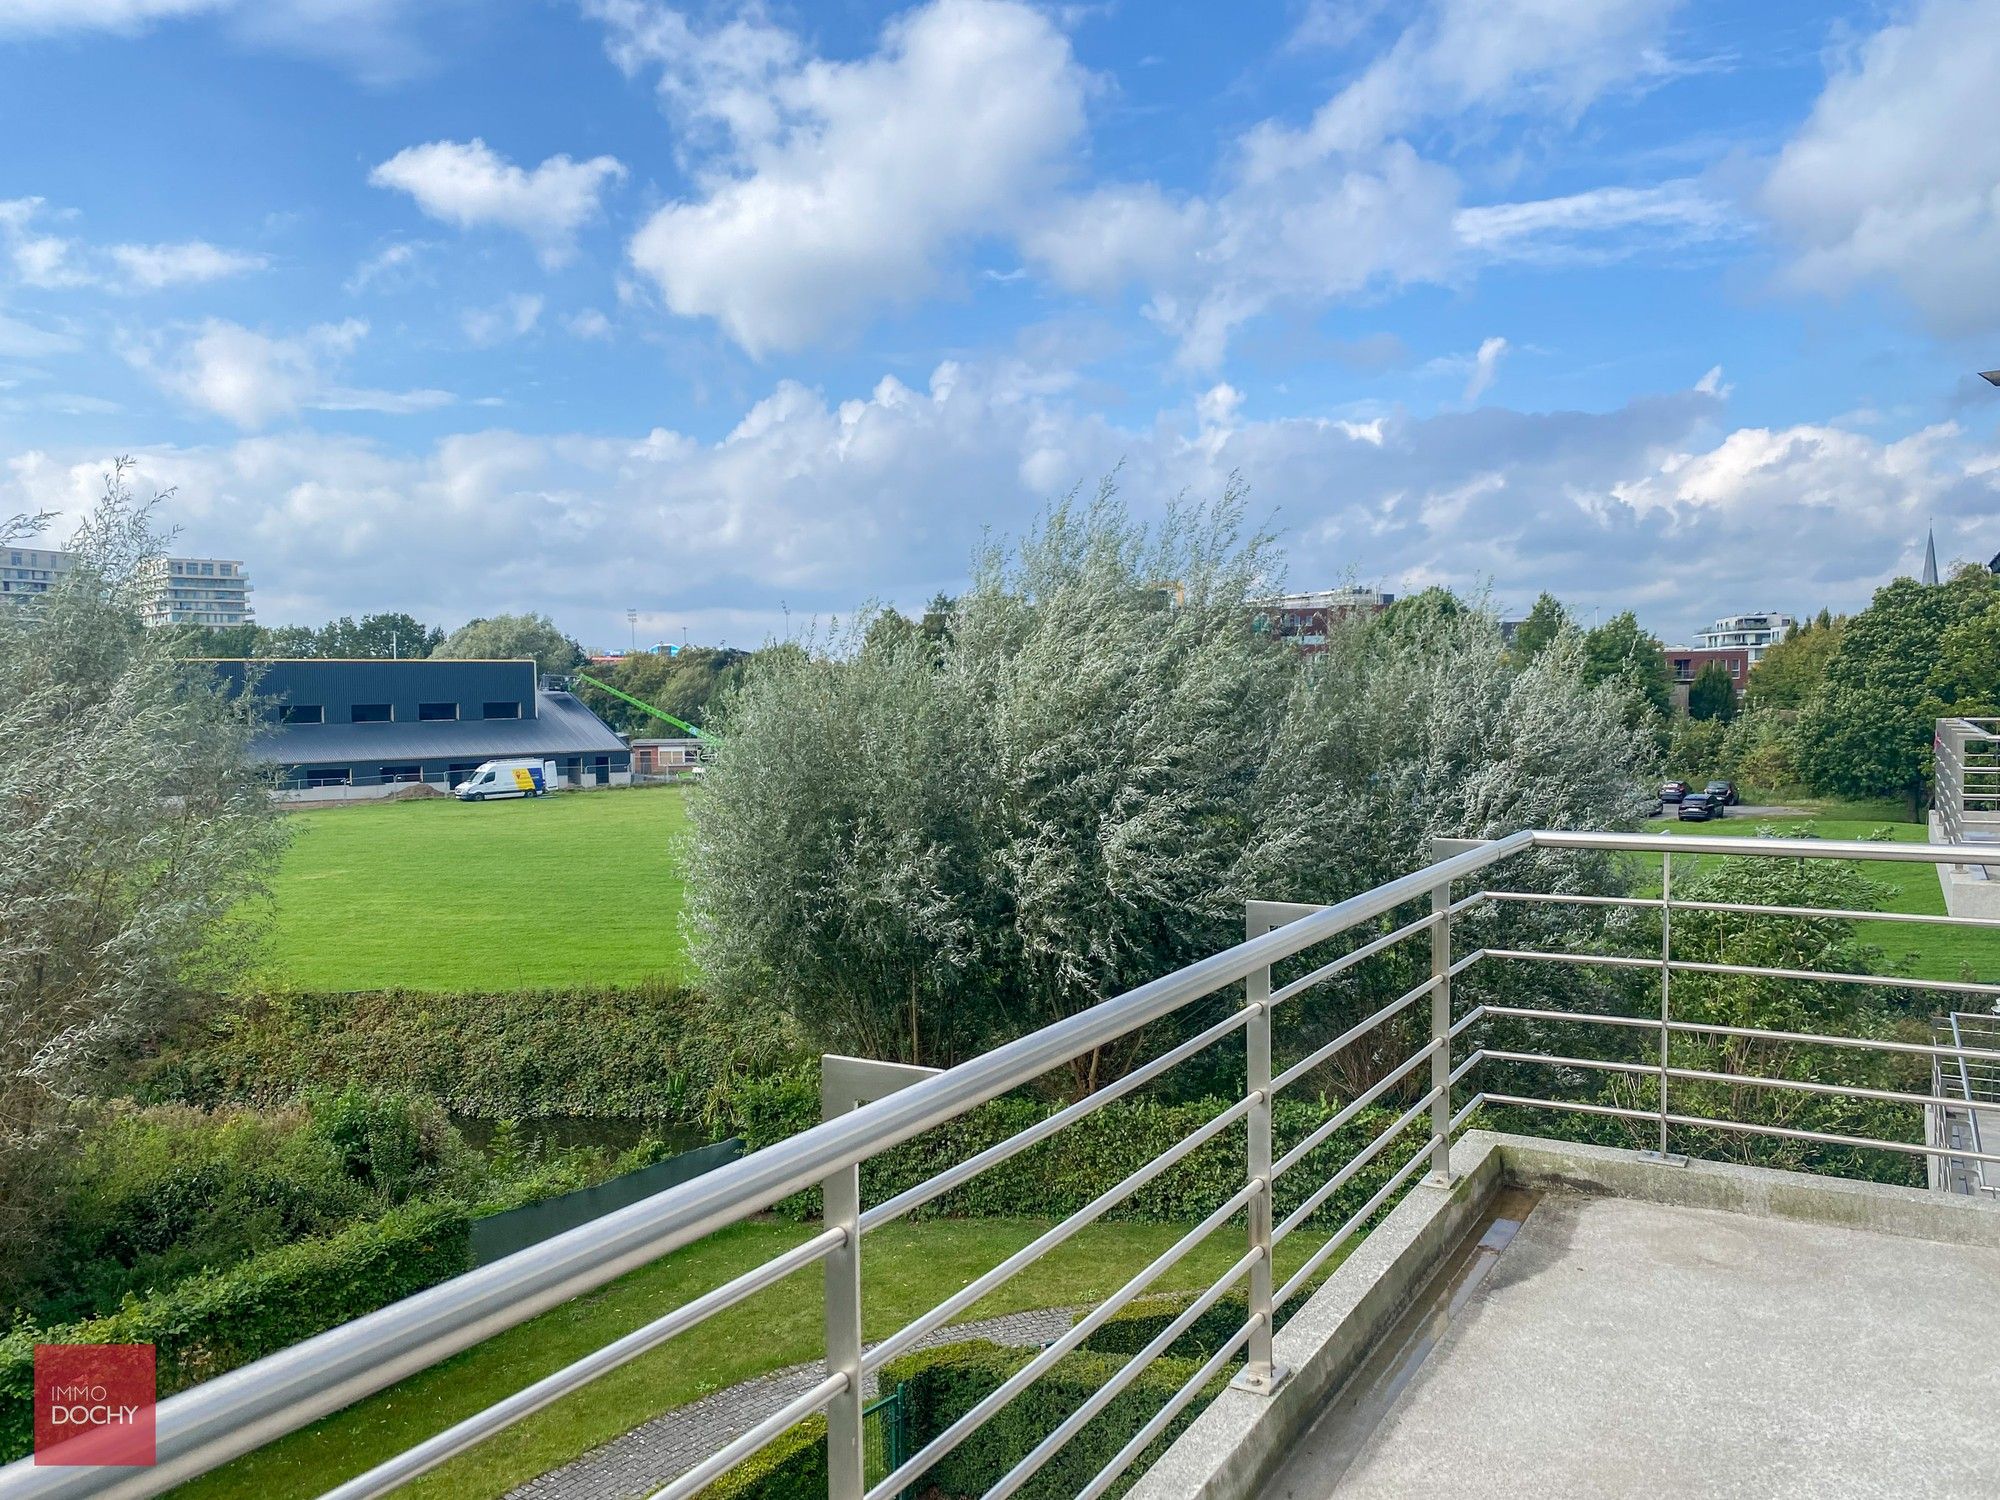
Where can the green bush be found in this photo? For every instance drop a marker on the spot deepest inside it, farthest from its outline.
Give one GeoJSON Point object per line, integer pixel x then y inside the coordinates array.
{"type": "Point", "coordinates": [1059, 1176]}
{"type": "Point", "coordinates": [156, 1195]}
{"type": "Point", "coordinates": [792, 1468]}
{"type": "Point", "coordinates": [212, 1323]}
{"type": "Point", "coordinates": [939, 1386]}
{"type": "Point", "coordinates": [652, 1052]}
{"type": "Point", "coordinates": [1133, 1327]}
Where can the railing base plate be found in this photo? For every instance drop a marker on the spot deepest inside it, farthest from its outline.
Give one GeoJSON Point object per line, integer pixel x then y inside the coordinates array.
{"type": "Point", "coordinates": [1669, 1159]}
{"type": "Point", "coordinates": [1262, 1383]}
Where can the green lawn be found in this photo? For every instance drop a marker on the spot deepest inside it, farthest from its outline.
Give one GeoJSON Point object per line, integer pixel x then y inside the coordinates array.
{"type": "Point", "coordinates": [442, 895]}
{"type": "Point", "coordinates": [907, 1269]}
{"type": "Point", "coordinates": [1922, 950]}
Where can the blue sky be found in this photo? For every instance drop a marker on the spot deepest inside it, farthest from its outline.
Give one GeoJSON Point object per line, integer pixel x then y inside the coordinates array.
{"type": "Point", "coordinates": [746, 313]}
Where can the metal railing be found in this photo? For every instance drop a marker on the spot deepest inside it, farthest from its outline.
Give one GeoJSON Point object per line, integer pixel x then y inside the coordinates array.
{"type": "Point", "coordinates": [1965, 756]}
{"type": "Point", "coordinates": [206, 1426]}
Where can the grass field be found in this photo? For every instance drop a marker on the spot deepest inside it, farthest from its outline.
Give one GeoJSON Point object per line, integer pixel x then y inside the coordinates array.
{"type": "Point", "coordinates": [908, 1268]}
{"type": "Point", "coordinates": [437, 894]}
{"type": "Point", "coordinates": [1920, 949]}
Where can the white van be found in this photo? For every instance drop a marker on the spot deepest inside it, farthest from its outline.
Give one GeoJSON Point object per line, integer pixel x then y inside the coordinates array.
{"type": "Point", "coordinates": [508, 778]}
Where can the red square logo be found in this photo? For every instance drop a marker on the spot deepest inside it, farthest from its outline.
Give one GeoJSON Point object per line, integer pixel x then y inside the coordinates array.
{"type": "Point", "coordinates": [94, 1404]}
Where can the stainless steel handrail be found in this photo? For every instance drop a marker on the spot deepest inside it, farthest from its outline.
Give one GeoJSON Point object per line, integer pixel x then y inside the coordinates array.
{"type": "Point", "coordinates": [203, 1427]}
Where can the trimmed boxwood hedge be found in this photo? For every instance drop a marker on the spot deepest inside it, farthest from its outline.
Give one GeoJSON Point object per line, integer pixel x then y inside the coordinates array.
{"type": "Point", "coordinates": [214, 1322]}
{"type": "Point", "coordinates": [649, 1052]}
{"type": "Point", "coordinates": [1059, 1176]}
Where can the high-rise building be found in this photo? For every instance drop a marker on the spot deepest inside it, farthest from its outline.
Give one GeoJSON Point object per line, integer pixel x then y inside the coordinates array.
{"type": "Point", "coordinates": [178, 590]}
{"type": "Point", "coordinates": [1754, 634]}
{"type": "Point", "coordinates": [198, 591]}
{"type": "Point", "coordinates": [29, 570]}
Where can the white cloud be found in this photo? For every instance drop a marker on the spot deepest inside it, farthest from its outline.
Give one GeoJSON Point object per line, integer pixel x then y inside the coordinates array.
{"type": "Point", "coordinates": [49, 16]}
{"type": "Point", "coordinates": [825, 502]}
{"type": "Point", "coordinates": [509, 319]}
{"type": "Point", "coordinates": [156, 266]}
{"type": "Point", "coordinates": [252, 379]}
{"type": "Point", "coordinates": [1895, 176]}
{"type": "Point", "coordinates": [839, 188]}
{"type": "Point", "coordinates": [1309, 214]}
{"type": "Point", "coordinates": [1460, 57]}
{"type": "Point", "coordinates": [469, 184]}
{"type": "Point", "coordinates": [392, 266]}
{"type": "Point", "coordinates": [1485, 368]}
{"type": "Point", "coordinates": [54, 261]}
{"type": "Point", "coordinates": [19, 340]}
{"type": "Point", "coordinates": [371, 38]}
{"type": "Point", "coordinates": [589, 324]}
{"type": "Point", "coordinates": [1574, 226]}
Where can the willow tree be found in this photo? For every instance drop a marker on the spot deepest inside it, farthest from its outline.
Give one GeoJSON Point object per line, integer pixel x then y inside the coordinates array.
{"type": "Point", "coordinates": [921, 847]}
{"type": "Point", "coordinates": [132, 824]}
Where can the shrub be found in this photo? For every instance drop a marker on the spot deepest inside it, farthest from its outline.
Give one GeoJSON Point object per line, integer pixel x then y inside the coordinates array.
{"type": "Point", "coordinates": [1059, 1176]}
{"type": "Point", "coordinates": [653, 1052]}
{"type": "Point", "coordinates": [939, 1386]}
{"type": "Point", "coordinates": [1136, 1325]}
{"type": "Point", "coordinates": [160, 1194]}
{"type": "Point", "coordinates": [792, 1468]}
{"type": "Point", "coordinates": [212, 1323]}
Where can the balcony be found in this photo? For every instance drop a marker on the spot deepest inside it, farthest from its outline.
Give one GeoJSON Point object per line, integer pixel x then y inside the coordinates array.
{"type": "Point", "coordinates": [1518, 1315]}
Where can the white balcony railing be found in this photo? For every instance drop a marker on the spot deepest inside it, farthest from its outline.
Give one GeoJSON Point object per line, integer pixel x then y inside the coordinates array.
{"type": "Point", "coordinates": [1434, 1088]}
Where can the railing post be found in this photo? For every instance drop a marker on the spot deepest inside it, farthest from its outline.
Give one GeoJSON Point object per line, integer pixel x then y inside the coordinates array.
{"type": "Point", "coordinates": [845, 1477]}
{"type": "Point", "coordinates": [1260, 1373]}
{"type": "Point", "coordinates": [845, 1084]}
{"type": "Point", "coordinates": [1666, 982]}
{"type": "Point", "coordinates": [1440, 1172]}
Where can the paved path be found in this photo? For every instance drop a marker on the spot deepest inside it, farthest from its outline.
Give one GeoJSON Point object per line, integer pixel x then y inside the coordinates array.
{"type": "Point", "coordinates": [647, 1457]}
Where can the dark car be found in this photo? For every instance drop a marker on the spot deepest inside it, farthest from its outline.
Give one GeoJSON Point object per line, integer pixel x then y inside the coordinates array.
{"type": "Point", "coordinates": [1673, 791]}
{"type": "Point", "coordinates": [1699, 807]}
{"type": "Point", "coordinates": [1723, 792]}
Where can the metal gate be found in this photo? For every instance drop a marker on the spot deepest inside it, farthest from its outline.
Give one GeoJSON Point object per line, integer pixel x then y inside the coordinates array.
{"type": "Point", "coordinates": [885, 1426]}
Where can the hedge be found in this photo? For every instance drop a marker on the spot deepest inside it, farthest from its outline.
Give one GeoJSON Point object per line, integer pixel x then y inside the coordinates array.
{"type": "Point", "coordinates": [792, 1468]}
{"type": "Point", "coordinates": [212, 1323]}
{"type": "Point", "coordinates": [1057, 1177]}
{"type": "Point", "coordinates": [941, 1385]}
{"type": "Point", "coordinates": [651, 1052]}
{"type": "Point", "coordinates": [1136, 1325]}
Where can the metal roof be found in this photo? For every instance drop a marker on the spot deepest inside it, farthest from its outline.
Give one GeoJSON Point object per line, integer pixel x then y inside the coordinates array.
{"type": "Point", "coordinates": [562, 725]}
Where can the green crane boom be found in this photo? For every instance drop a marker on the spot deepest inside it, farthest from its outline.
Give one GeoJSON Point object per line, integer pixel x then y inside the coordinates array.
{"type": "Point", "coordinates": [642, 705]}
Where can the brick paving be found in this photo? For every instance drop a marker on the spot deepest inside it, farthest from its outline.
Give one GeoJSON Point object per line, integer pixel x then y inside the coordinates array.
{"type": "Point", "coordinates": [636, 1464]}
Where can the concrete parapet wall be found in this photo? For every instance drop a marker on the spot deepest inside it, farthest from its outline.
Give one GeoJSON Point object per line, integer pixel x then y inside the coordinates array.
{"type": "Point", "coordinates": [1968, 889]}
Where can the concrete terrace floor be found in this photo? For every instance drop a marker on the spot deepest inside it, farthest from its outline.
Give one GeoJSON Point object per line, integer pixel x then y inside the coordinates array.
{"type": "Point", "coordinates": [1616, 1347]}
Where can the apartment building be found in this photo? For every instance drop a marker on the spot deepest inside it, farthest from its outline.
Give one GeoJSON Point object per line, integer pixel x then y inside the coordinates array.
{"type": "Point", "coordinates": [1754, 634]}
{"type": "Point", "coordinates": [199, 591]}
{"type": "Point", "coordinates": [180, 590]}
{"type": "Point", "coordinates": [1302, 620]}
{"type": "Point", "coordinates": [29, 570]}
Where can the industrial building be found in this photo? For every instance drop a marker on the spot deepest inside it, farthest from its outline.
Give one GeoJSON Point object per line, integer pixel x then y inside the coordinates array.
{"type": "Point", "coordinates": [353, 728]}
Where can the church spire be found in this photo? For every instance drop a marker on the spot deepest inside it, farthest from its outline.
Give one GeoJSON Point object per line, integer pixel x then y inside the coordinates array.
{"type": "Point", "coordinates": [1930, 556]}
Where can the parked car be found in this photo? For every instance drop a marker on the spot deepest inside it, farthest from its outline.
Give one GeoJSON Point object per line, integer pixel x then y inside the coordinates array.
{"type": "Point", "coordinates": [1723, 792]}
{"type": "Point", "coordinates": [1699, 807]}
{"type": "Point", "coordinates": [1673, 791]}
